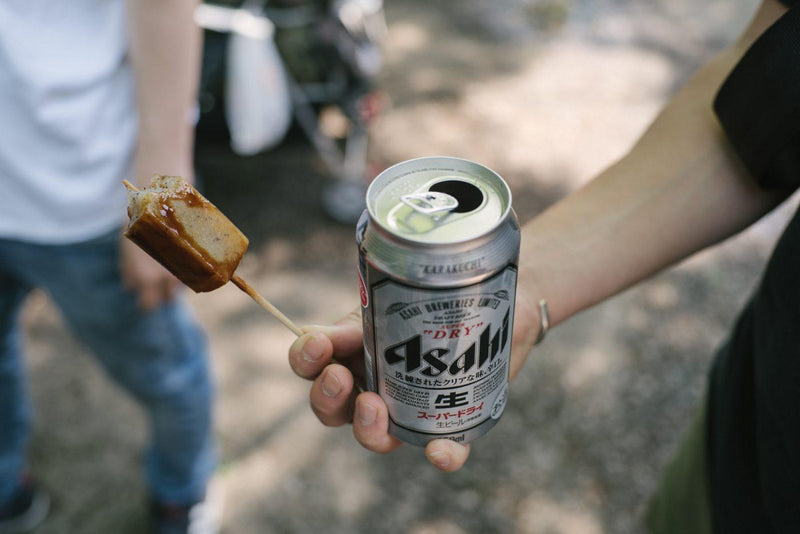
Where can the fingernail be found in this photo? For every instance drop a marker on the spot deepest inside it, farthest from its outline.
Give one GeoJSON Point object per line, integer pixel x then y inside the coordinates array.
{"type": "Point", "coordinates": [313, 348]}
{"type": "Point", "coordinates": [331, 386]}
{"type": "Point", "coordinates": [440, 459]}
{"type": "Point", "coordinates": [367, 413]}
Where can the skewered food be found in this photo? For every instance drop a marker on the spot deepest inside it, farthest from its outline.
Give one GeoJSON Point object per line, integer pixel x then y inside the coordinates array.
{"type": "Point", "coordinates": [190, 237]}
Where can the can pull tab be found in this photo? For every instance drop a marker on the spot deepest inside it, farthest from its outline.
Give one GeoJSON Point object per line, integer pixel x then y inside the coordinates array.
{"type": "Point", "coordinates": [430, 202]}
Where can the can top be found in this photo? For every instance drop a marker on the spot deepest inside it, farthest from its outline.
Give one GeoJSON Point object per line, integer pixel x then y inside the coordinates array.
{"type": "Point", "coordinates": [438, 200]}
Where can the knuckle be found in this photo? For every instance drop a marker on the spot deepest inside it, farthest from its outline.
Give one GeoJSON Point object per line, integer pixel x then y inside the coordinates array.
{"type": "Point", "coordinates": [327, 416]}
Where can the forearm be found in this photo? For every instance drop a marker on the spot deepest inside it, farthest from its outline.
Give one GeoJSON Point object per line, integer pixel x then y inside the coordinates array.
{"type": "Point", "coordinates": [165, 51]}
{"type": "Point", "coordinates": [678, 190]}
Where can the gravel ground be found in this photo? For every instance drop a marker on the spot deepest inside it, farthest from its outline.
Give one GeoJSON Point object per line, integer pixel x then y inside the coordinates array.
{"type": "Point", "coordinates": [545, 92]}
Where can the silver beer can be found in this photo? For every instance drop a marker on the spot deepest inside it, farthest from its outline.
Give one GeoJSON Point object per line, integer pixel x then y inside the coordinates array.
{"type": "Point", "coordinates": [438, 252]}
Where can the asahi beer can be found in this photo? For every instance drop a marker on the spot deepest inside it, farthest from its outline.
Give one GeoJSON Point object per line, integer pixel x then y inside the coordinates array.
{"type": "Point", "coordinates": [438, 251]}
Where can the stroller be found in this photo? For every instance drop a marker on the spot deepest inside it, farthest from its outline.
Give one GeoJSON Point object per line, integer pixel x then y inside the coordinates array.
{"type": "Point", "coordinates": [279, 61]}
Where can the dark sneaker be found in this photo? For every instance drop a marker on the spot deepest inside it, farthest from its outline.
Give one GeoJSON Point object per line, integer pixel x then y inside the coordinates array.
{"type": "Point", "coordinates": [26, 510]}
{"type": "Point", "coordinates": [199, 518]}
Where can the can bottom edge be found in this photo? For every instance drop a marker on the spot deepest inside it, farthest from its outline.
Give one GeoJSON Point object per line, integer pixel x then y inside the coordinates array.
{"type": "Point", "coordinates": [420, 440]}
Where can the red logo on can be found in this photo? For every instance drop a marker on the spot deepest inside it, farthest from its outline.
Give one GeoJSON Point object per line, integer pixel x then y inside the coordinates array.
{"type": "Point", "coordinates": [362, 290]}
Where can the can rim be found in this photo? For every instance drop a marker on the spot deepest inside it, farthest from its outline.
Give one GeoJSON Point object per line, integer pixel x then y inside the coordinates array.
{"type": "Point", "coordinates": [373, 190]}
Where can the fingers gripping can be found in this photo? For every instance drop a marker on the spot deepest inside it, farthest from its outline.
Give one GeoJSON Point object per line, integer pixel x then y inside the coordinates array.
{"type": "Point", "coordinates": [438, 251]}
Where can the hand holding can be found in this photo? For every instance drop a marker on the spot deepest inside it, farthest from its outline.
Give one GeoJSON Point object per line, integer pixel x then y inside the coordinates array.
{"type": "Point", "coordinates": [333, 357]}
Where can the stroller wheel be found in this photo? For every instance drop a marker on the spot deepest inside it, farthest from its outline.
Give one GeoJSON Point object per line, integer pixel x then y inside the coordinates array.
{"type": "Point", "coordinates": [344, 201]}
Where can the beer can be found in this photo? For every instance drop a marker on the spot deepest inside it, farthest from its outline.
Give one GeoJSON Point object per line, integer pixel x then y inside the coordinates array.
{"type": "Point", "coordinates": [438, 252]}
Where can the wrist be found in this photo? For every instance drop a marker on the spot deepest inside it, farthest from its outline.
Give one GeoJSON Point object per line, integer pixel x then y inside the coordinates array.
{"type": "Point", "coordinates": [153, 156]}
{"type": "Point", "coordinates": [534, 304]}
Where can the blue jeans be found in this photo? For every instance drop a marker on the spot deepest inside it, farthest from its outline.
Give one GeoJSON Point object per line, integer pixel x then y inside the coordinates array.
{"type": "Point", "coordinates": [159, 357]}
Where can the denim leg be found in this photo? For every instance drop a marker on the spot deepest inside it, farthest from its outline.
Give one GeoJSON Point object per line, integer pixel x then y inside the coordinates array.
{"type": "Point", "coordinates": [14, 407]}
{"type": "Point", "coordinates": [159, 357]}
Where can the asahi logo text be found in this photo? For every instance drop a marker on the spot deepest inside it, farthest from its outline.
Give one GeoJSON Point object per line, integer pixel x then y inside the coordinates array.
{"type": "Point", "coordinates": [435, 360]}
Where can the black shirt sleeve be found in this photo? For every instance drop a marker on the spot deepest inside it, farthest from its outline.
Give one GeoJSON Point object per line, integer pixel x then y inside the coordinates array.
{"type": "Point", "coordinates": [758, 105]}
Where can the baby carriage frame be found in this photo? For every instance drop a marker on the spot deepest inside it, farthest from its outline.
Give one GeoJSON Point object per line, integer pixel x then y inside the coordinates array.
{"type": "Point", "coordinates": [330, 54]}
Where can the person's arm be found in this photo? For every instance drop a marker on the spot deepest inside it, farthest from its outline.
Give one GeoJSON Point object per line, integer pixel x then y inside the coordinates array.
{"type": "Point", "coordinates": [165, 51]}
{"type": "Point", "coordinates": [678, 190]}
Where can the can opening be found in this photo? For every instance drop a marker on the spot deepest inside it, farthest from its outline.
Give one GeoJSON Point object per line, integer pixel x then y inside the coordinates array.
{"type": "Point", "coordinates": [469, 197]}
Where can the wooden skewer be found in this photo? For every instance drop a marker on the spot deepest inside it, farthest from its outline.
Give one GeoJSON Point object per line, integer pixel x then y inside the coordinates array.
{"type": "Point", "coordinates": [264, 303]}
{"type": "Point", "coordinates": [244, 286]}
